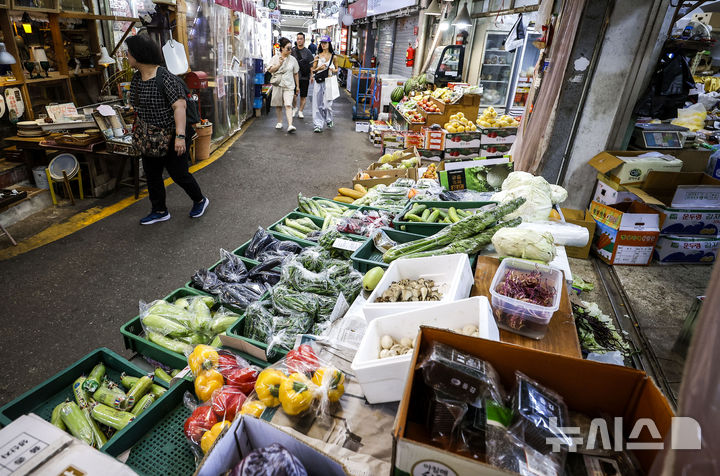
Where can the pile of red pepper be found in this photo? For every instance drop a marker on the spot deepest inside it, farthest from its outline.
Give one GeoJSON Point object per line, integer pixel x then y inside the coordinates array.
{"type": "Point", "coordinates": [222, 381]}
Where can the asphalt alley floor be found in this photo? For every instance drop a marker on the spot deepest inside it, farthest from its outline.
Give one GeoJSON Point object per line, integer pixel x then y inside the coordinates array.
{"type": "Point", "coordinates": [65, 299]}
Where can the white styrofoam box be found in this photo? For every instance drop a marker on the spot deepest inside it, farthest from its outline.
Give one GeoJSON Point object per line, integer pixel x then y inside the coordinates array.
{"type": "Point", "coordinates": [451, 273]}
{"type": "Point", "coordinates": [383, 380]}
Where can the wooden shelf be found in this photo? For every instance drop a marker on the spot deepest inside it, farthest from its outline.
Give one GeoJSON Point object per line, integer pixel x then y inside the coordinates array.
{"type": "Point", "coordinates": [85, 74]}
{"type": "Point", "coordinates": [90, 16]}
{"type": "Point", "coordinates": [59, 77]}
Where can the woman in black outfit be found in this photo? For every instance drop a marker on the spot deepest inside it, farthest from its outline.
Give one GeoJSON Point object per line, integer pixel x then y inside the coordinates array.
{"type": "Point", "coordinates": [161, 134]}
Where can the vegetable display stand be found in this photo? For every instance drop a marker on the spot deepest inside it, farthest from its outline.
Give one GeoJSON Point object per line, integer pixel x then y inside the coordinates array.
{"type": "Point", "coordinates": [429, 228]}
{"type": "Point", "coordinates": [159, 446]}
{"type": "Point", "coordinates": [240, 251]}
{"type": "Point", "coordinates": [367, 256]}
{"type": "Point", "coordinates": [133, 335]}
{"type": "Point", "coordinates": [42, 399]}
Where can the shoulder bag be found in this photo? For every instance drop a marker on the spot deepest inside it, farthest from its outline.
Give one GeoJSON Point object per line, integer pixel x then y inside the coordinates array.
{"type": "Point", "coordinates": [276, 78]}
{"type": "Point", "coordinates": [150, 140]}
{"type": "Point", "coordinates": [321, 76]}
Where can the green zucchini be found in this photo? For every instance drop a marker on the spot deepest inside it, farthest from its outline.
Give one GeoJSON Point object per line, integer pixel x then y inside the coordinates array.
{"type": "Point", "coordinates": [94, 378]}
{"type": "Point", "coordinates": [76, 422]}
{"type": "Point", "coordinates": [111, 417]}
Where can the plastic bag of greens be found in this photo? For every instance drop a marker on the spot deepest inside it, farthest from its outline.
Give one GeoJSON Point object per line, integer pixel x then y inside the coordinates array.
{"type": "Point", "coordinates": [301, 383]}
{"type": "Point", "coordinates": [207, 281]}
{"type": "Point", "coordinates": [261, 240]}
{"type": "Point", "coordinates": [231, 268]}
{"type": "Point", "coordinates": [285, 329]}
{"type": "Point", "coordinates": [279, 249]}
{"type": "Point", "coordinates": [298, 277]}
{"type": "Point", "coordinates": [288, 300]}
{"type": "Point", "coordinates": [169, 325]}
{"type": "Point", "coordinates": [259, 321]}
{"type": "Point", "coordinates": [273, 460]}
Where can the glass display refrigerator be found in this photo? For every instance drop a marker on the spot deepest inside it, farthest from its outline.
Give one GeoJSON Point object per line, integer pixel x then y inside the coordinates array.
{"type": "Point", "coordinates": [506, 76]}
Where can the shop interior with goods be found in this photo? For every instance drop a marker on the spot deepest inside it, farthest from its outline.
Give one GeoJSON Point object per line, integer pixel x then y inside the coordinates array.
{"type": "Point", "coordinates": [445, 311]}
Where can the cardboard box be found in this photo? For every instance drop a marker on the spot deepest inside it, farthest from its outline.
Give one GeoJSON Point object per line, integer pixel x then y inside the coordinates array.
{"type": "Point", "coordinates": [609, 192]}
{"type": "Point", "coordinates": [595, 389]}
{"type": "Point", "coordinates": [693, 160]}
{"type": "Point", "coordinates": [498, 135]}
{"type": "Point", "coordinates": [674, 249]}
{"type": "Point", "coordinates": [495, 150]}
{"type": "Point", "coordinates": [392, 139]}
{"type": "Point", "coordinates": [473, 174]}
{"type": "Point", "coordinates": [698, 192]}
{"type": "Point", "coordinates": [385, 177]}
{"type": "Point", "coordinates": [431, 155]}
{"type": "Point", "coordinates": [434, 139]}
{"type": "Point", "coordinates": [362, 126]}
{"type": "Point", "coordinates": [32, 445]}
{"type": "Point", "coordinates": [625, 233]}
{"type": "Point", "coordinates": [632, 167]}
{"type": "Point", "coordinates": [247, 434]}
{"type": "Point", "coordinates": [462, 140]}
{"type": "Point", "coordinates": [584, 219]}
{"type": "Point", "coordinates": [461, 154]}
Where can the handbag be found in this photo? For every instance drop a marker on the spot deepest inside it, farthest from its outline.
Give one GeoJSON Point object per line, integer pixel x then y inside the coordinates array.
{"type": "Point", "coordinates": [332, 89]}
{"type": "Point", "coordinates": [321, 76]}
{"type": "Point", "coordinates": [276, 78]}
{"type": "Point", "coordinates": [150, 140]}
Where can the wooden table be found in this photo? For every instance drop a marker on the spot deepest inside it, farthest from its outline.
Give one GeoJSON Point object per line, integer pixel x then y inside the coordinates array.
{"type": "Point", "coordinates": [561, 337]}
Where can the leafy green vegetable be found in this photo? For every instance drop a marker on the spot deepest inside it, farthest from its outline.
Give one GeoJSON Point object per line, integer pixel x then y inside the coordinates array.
{"type": "Point", "coordinates": [596, 330]}
{"type": "Point", "coordinates": [582, 285]}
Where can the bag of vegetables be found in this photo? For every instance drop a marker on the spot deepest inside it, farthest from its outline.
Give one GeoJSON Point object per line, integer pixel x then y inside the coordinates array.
{"type": "Point", "coordinates": [222, 382]}
{"type": "Point", "coordinates": [186, 322]}
{"type": "Point", "coordinates": [301, 382]}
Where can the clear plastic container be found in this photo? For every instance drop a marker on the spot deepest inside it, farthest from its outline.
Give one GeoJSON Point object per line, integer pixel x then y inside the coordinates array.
{"type": "Point", "coordinates": [524, 318]}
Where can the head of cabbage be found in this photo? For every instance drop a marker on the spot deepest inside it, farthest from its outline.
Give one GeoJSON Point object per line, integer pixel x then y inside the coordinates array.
{"type": "Point", "coordinates": [524, 243]}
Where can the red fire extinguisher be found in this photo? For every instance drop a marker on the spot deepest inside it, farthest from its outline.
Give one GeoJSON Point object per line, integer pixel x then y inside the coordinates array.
{"type": "Point", "coordinates": [410, 56]}
{"type": "Point", "coordinates": [373, 62]}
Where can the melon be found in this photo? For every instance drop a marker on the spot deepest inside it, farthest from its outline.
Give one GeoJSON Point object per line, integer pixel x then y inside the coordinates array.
{"type": "Point", "coordinates": [397, 94]}
{"type": "Point", "coordinates": [409, 85]}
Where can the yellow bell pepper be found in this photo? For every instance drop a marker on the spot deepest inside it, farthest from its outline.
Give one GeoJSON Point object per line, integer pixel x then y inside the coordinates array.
{"type": "Point", "coordinates": [331, 379]}
{"type": "Point", "coordinates": [209, 437]}
{"type": "Point", "coordinates": [203, 357]}
{"type": "Point", "coordinates": [207, 382]}
{"type": "Point", "coordinates": [253, 407]}
{"type": "Point", "coordinates": [296, 393]}
{"type": "Point", "coordinates": [267, 386]}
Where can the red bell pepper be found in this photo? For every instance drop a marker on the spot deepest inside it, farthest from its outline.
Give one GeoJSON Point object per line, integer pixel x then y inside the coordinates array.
{"type": "Point", "coordinates": [226, 402]}
{"type": "Point", "coordinates": [242, 378]}
{"type": "Point", "coordinates": [303, 359]}
{"type": "Point", "coordinates": [202, 419]}
{"type": "Point", "coordinates": [227, 363]}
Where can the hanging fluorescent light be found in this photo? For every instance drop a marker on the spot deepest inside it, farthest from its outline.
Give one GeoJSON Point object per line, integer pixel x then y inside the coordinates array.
{"type": "Point", "coordinates": [433, 9]}
{"type": "Point", "coordinates": [463, 20]}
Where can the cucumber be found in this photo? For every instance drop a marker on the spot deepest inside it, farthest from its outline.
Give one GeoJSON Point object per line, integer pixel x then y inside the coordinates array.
{"type": "Point", "coordinates": [426, 214]}
{"type": "Point", "coordinates": [432, 218]}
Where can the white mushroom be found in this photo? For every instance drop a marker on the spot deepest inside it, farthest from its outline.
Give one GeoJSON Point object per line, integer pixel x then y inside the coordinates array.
{"type": "Point", "coordinates": [386, 342]}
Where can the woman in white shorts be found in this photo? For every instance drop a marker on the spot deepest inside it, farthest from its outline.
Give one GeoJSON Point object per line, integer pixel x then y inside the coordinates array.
{"type": "Point", "coordinates": [285, 84]}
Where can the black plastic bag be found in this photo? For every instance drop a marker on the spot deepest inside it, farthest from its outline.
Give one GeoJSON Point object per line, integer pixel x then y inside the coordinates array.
{"type": "Point", "coordinates": [261, 240]}
{"type": "Point", "coordinates": [668, 89]}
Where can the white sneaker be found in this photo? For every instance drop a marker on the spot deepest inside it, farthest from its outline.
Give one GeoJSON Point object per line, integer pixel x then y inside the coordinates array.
{"type": "Point", "coordinates": [301, 115]}
{"type": "Point", "coordinates": [295, 112]}
{"type": "Point", "coordinates": [278, 125]}
{"type": "Point", "coordinates": [291, 129]}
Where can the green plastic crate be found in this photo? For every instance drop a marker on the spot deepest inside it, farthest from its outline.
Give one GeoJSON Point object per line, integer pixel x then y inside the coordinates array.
{"type": "Point", "coordinates": [158, 446]}
{"type": "Point", "coordinates": [346, 205]}
{"type": "Point", "coordinates": [42, 399]}
{"type": "Point", "coordinates": [133, 332]}
{"type": "Point", "coordinates": [427, 229]}
{"type": "Point", "coordinates": [367, 256]}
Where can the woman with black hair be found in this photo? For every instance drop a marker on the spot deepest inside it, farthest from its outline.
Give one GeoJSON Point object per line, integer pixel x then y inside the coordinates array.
{"type": "Point", "coordinates": [285, 83]}
{"type": "Point", "coordinates": [160, 132]}
{"type": "Point", "coordinates": [323, 67]}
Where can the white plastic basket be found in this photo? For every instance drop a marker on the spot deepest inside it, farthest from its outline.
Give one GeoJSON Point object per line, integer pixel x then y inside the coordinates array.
{"type": "Point", "coordinates": [383, 380]}
{"type": "Point", "coordinates": [451, 273]}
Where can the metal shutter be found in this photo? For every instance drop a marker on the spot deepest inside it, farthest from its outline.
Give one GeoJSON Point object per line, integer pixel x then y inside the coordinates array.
{"type": "Point", "coordinates": [384, 45]}
{"type": "Point", "coordinates": [404, 34]}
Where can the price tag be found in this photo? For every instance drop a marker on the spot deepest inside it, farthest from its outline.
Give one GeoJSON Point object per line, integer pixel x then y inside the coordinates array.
{"type": "Point", "coordinates": [346, 245]}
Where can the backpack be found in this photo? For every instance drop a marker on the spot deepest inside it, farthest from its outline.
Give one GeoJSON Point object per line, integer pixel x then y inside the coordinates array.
{"type": "Point", "coordinates": [192, 110]}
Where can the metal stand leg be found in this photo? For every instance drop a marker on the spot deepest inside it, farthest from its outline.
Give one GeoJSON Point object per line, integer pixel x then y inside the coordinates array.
{"type": "Point", "coordinates": [52, 189]}
{"type": "Point", "coordinates": [5, 232]}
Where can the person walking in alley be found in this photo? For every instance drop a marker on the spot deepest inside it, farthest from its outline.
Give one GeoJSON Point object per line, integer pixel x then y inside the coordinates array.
{"type": "Point", "coordinates": [323, 67]}
{"type": "Point", "coordinates": [161, 132]}
{"type": "Point", "coordinates": [312, 47]}
{"type": "Point", "coordinates": [304, 58]}
{"type": "Point", "coordinates": [285, 83]}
